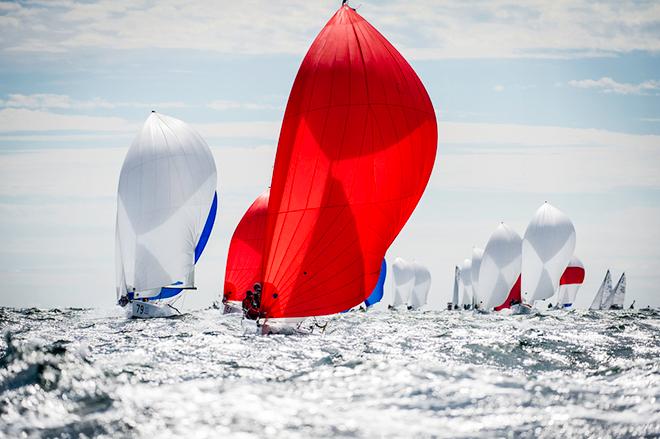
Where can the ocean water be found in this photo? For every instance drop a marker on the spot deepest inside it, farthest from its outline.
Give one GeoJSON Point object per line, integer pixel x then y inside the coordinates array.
{"type": "Point", "coordinates": [94, 373]}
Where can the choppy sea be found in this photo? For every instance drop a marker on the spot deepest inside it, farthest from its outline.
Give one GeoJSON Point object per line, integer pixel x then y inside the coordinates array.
{"type": "Point", "coordinates": [93, 373]}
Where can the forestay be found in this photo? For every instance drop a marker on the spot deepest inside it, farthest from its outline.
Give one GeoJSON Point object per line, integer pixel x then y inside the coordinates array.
{"type": "Point", "coordinates": [547, 247]}
{"type": "Point", "coordinates": [165, 207]}
{"type": "Point", "coordinates": [500, 266]}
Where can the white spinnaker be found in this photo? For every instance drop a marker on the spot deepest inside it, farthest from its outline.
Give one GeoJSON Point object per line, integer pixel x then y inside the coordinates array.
{"type": "Point", "coordinates": [547, 247]}
{"type": "Point", "coordinates": [166, 188]}
{"type": "Point", "coordinates": [403, 279]}
{"type": "Point", "coordinates": [466, 281]}
{"type": "Point", "coordinates": [500, 266]}
{"type": "Point", "coordinates": [477, 254]}
{"type": "Point", "coordinates": [420, 291]}
{"type": "Point", "coordinates": [457, 282]}
{"type": "Point", "coordinates": [568, 292]}
{"type": "Point", "coordinates": [603, 293]}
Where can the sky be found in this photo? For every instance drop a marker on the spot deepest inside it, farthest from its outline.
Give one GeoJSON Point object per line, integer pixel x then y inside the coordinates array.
{"type": "Point", "coordinates": [554, 101]}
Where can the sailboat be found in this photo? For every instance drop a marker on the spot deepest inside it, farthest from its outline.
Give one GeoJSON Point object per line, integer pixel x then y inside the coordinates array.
{"type": "Point", "coordinates": [166, 207]}
{"type": "Point", "coordinates": [570, 282]}
{"type": "Point", "coordinates": [514, 299]}
{"type": "Point", "coordinates": [547, 248]}
{"type": "Point", "coordinates": [457, 281]}
{"type": "Point", "coordinates": [377, 294]}
{"type": "Point", "coordinates": [466, 282]}
{"type": "Point", "coordinates": [403, 281]}
{"type": "Point", "coordinates": [355, 153]}
{"type": "Point", "coordinates": [604, 292]}
{"type": "Point", "coordinates": [500, 266]}
{"type": "Point", "coordinates": [617, 296]}
{"type": "Point", "coordinates": [477, 255]}
{"type": "Point", "coordinates": [421, 287]}
{"type": "Point", "coordinates": [245, 255]}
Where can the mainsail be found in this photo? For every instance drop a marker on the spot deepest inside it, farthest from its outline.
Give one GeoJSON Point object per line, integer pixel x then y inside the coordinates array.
{"type": "Point", "coordinates": [457, 281]}
{"type": "Point", "coordinates": [377, 294]}
{"type": "Point", "coordinates": [356, 149]}
{"type": "Point", "coordinates": [477, 255]}
{"type": "Point", "coordinates": [466, 281]}
{"type": "Point", "coordinates": [403, 281]}
{"type": "Point", "coordinates": [166, 208]}
{"type": "Point", "coordinates": [603, 293]}
{"type": "Point", "coordinates": [570, 282]}
{"type": "Point", "coordinates": [421, 287]}
{"type": "Point", "coordinates": [617, 296]}
{"type": "Point", "coordinates": [546, 250]}
{"type": "Point", "coordinates": [244, 259]}
{"type": "Point", "coordinates": [500, 266]}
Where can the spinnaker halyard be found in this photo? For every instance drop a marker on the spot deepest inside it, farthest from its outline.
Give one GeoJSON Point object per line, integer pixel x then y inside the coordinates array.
{"type": "Point", "coordinates": [166, 207]}
{"type": "Point", "coordinates": [356, 150]}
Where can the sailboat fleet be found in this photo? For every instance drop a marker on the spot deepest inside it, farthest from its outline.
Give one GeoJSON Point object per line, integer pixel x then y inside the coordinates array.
{"type": "Point", "coordinates": [356, 149]}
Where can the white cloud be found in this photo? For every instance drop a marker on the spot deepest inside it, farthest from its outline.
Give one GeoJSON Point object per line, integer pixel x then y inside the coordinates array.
{"type": "Point", "coordinates": [609, 85]}
{"type": "Point", "coordinates": [423, 29]}
{"type": "Point", "coordinates": [43, 101]}
{"type": "Point", "coordinates": [223, 105]}
{"type": "Point", "coordinates": [498, 88]}
{"type": "Point", "coordinates": [20, 119]}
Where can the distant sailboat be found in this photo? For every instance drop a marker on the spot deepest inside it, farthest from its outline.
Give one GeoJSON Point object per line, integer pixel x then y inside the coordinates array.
{"type": "Point", "coordinates": [617, 296]}
{"type": "Point", "coordinates": [477, 255]}
{"type": "Point", "coordinates": [403, 280]}
{"type": "Point", "coordinates": [166, 207]}
{"type": "Point", "coordinates": [421, 287]}
{"type": "Point", "coordinates": [377, 294]}
{"type": "Point", "coordinates": [547, 248]}
{"type": "Point", "coordinates": [570, 282]}
{"type": "Point", "coordinates": [457, 282]}
{"type": "Point", "coordinates": [500, 266]}
{"type": "Point", "coordinates": [603, 293]}
{"type": "Point", "coordinates": [245, 255]}
{"type": "Point", "coordinates": [355, 153]}
{"type": "Point", "coordinates": [466, 282]}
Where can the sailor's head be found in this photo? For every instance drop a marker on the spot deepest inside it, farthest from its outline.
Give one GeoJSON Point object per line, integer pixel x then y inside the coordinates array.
{"type": "Point", "coordinates": [257, 287]}
{"type": "Point", "coordinates": [249, 293]}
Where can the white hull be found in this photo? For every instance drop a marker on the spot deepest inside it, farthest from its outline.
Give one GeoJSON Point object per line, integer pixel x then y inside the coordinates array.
{"type": "Point", "coordinates": [288, 326]}
{"type": "Point", "coordinates": [521, 308]}
{"type": "Point", "coordinates": [146, 310]}
{"type": "Point", "coordinates": [233, 307]}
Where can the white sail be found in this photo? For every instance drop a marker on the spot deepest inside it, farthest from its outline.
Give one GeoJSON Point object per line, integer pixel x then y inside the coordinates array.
{"type": "Point", "coordinates": [615, 299]}
{"type": "Point", "coordinates": [466, 282]}
{"type": "Point", "coordinates": [166, 188]}
{"type": "Point", "coordinates": [603, 293]}
{"type": "Point", "coordinates": [403, 278]}
{"type": "Point", "coordinates": [547, 247]}
{"type": "Point", "coordinates": [457, 281]}
{"type": "Point", "coordinates": [477, 254]}
{"type": "Point", "coordinates": [421, 287]}
{"type": "Point", "coordinates": [570, 282]}
{"type": "Point", "coordinates": [500, 266]}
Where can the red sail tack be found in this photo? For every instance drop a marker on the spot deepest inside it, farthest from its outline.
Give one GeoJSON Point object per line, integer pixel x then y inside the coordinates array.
{"type": "Point", "coordinates": [514, 295]}
{"type": "Point", "coordinates": [244, 260]}
{"type": "Point", "coordinates": [356, 150]}
{"type": "Point", "coordinates": [572, 275]}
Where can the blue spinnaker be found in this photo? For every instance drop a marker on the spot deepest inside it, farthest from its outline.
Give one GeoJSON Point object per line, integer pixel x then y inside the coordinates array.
{"type": "Point", "coordinates": [377, 293]}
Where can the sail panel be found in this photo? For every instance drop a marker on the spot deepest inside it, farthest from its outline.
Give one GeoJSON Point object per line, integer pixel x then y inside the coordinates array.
{"type": "Point", "coordinates": [619, 294]}
{"type": "Point", "coordinates": [466, 282]}
{"type": "Point", "coordinates": [356, 150]}
{"type": "Point", "coordinates": [500, 266]}
{"type": "Point", "coordinates": [477, 255]}
{"type": "Point", "coordinates": [604, 291]}
{"type": "Point", "coordinates": [457, 282]}
{"type": "Point", "coordinates": [403, 277]}
{"type": "Point", "coordinates": [377, 294]}
{"type": "Point", "coordinates": [421, 287]}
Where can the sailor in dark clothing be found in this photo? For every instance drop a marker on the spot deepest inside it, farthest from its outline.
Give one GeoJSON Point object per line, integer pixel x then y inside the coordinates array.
{"type": "Point", "coordinates": [257, 295]}
{"type": "Point", "coordinates": [250, 311]}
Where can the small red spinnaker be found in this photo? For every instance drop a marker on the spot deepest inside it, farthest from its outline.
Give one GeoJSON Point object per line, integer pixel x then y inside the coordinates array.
{"type": "Point", "coordinates": [356, 150]}
{"type": "Point", "coordinates": [513, 297]}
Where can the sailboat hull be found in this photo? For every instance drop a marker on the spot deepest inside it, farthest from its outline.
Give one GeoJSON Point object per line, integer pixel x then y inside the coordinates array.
{"type": "Point", "coordinates": [233, 307]}
{"type": "Point", "coordinates": [146, 310]}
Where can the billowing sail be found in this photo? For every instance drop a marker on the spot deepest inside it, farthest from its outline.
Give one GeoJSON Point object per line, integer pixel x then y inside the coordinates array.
{"type": "Point", "coordinates": [546, 250]}
{"type": "Point", "coordinates": [422, 286]}
{"type": "Point", "coordinates": [618, 295]}
{"type": "Point", "coordinates": [513, 297]}
{"type": "Point", "coordinates": [356, 149]}
{"type": "Point", "coordinates": [457, 281]}
{"type": "Point", "coordinates": [477, 255]}
{"type": "Point", "coordinates": [570, 282]}
{"type": "Point", "coordinates": [466, 281]}
{"type": "Point", "coordinates": [165, 207]}
{"type": "Point", "coordinates": [244, 259]}
{"type": "Point", "coordinates": [500, 266]}
{"type": "Point", "coordinates": [377, 294]}
{"type": "Point", "coordinates": [403, 279]}
{"type": "Point", "coordinates": [603, 293]}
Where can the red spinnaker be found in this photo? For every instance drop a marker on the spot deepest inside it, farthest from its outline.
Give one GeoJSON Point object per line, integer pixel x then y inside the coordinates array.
{"type": "Point", "coordinates": [356, 150]}
{"type": "Point", "coordinates": [572, 275]}
{"type": "Point", "coordinates": [244, 260]}
{"type": "Point", "coordinates": [514, 295]}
